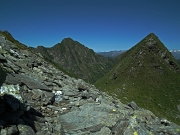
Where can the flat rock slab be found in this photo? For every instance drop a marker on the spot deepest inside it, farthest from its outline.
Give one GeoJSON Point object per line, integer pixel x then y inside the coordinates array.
{"type": "Point", "coordinates": [28, 81]}
{"type": "Point", "coordinates": [91, 117]}
{"type": "Point", "coordinates": [25, 130]}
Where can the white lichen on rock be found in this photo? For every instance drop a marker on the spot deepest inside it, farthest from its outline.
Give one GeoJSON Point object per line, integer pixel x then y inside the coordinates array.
{"type": "Point", "coordinates": [12, 90]}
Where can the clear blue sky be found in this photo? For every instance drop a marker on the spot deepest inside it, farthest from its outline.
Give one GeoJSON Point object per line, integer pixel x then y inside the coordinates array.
{"type": "Point", "coordinates": [101, 25]}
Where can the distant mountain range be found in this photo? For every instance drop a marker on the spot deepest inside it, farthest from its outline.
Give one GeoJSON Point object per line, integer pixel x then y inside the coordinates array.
{"type": "Point", "coordinates": [149, 75]}
{"type": "Point", "coordinates": [176, 53]}
{"type": "Point", "coordinates": [112, 54]}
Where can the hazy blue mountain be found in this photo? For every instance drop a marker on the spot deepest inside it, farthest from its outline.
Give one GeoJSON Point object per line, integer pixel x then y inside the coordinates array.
{"type": "Point", "coordinates": [111, 54]}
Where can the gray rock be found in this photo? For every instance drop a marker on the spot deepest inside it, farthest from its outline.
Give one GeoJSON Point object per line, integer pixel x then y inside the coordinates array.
{"type": "Point", "coordinates": [133, 105]}
{"type": "Point", "coordinates": [82, 87]}
{"type": "Point", "coordinates": [104, 131]}
{"type": "Point", "coordinates": [48, 83]}
{"type": "Point", "coordinates": [120, 127]}
{"type": "Point", "coordinates": [13, 90]}
{"type": "Point", "coordinates": [89, 115]}
{"type": "Point", "coordinates": [85, 95]}
{"type": "Point", "coordinates": [30, 82]}
{"type": "Point", "coordinates": [6, 48]}
{"type": "Point", "coordinates": [40, 119]}
{"type": "Point", "coordinates": [2, 39]}
{"type": "Point", "coordinates": [2, 58]}
{"type": "Point", "coordinates": [3, 75]}
{"type": "Point", "coordinates": [3, 132]}
{"type": "Point", "coordinates": [70, 93]}
{"type": "Point", "coordinates": [95, 128]}
{"type": "Point", "coordinates": [12, 130]}
{"type": "Point", "coordinates": [25, 130]}
{"type": "Point", "coordinates": [55, 108]}
{"type": "Point", "coordinates": [14, 53]}
{"type": "Point", "coordinates": [49, 96]}
{"type": "Point", "coordinates": [66, 97]}
{"type": "Point", "coordinates": [13, 79]}
{"type": "Point", "coordinates": [58, 129]}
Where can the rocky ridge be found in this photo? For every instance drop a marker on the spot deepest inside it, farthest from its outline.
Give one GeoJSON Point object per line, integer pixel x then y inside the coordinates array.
{"type": "Point", "coordinates": [36, 98]}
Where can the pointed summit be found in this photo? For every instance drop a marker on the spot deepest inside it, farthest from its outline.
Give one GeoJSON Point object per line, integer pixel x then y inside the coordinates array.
{"type": "Point", "coordinates": [68, 39]}
{"type": "Point", "coordinates": [147, 74]}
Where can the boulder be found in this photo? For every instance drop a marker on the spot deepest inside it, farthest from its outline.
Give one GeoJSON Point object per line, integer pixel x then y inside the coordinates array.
{"type": "Point", "coordinates": [133, 105]}
{"type": "Point", "coordinates": [13, 90]}
{"type": "Point", "coordinates": [25, 130]}
{"type": "Point", "coordinates": [2, 58]}
{"type": "Point", "coordinates": [28, 81]}
{"type": "Point", "coordinates": [12, 130]}
{"type": "Point", "coordinates": [3, 75]}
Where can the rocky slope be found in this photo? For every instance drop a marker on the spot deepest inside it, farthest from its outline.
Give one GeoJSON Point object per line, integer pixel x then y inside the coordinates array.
{"type": "Point", "coordinates": [77, 60]}
{"type": "Point", "coordinates": [149, 75]}
{"type": "Point", "coordinates": [36, 98]}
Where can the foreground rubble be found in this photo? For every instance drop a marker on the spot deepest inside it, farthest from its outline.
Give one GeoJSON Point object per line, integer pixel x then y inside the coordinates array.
{"type": "Point", "coordinates": [36, 98]}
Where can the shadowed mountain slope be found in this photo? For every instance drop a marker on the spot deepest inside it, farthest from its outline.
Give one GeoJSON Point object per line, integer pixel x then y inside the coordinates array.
{"type": "Point", "coordinates": [149, 75]}
{"type": "Point", "coordinates": [77, 59]}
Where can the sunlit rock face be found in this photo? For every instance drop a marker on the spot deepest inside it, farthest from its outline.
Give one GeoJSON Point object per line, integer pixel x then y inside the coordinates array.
{"type": "Point", "coordinates": [36, 98]}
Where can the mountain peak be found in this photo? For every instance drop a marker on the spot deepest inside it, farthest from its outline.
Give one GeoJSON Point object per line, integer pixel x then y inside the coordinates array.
{"type": "Point", "coordinates": [146, 74]}
{"type": "Point", "coordinates": [78, 60]}
{"type": "Point", "coordinates": [6, 33]}
{"type": "Point", "coordinates": [68, 39]}
{"type": "Point", "coordinates": [151, 35]}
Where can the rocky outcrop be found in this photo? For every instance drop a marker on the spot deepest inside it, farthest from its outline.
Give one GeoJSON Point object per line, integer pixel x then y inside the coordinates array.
{"type": "Point", "coordinates": [36, 98]}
